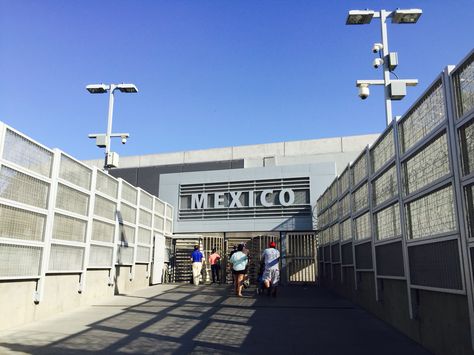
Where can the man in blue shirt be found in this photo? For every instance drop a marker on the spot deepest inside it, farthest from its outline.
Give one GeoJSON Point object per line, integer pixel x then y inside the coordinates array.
{"type": "Point", "coordinates": [196, 259]}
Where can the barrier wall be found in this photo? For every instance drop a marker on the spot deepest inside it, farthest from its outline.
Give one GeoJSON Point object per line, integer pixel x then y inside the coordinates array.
{"type": "Point", "coordinates": [69, 234]}
{"type": "Point", "coordinates": [396, 227]}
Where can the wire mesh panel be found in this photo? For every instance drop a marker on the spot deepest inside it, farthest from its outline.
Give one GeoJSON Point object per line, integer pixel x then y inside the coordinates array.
{"type": "Point", "coordinates": [362, 227]}
{"type": "Point", "coordinates": [383, 151]}
{"type": "Point", "coordinates": [69, 228]}
{"type": "Point", "coordinates": [19, 260]}
{"type": "Point", "coordinates": [102, 231]}
{"type": "Point", "coordinates": [24, 152]}
{"type": "Point", "coordinates": [169, 211]}
{"type": "Point", "coordinates": [100, 256]}
{"type": "Point", "coordinates": [146, 200]}
{"type": "Point", "coordinates": [128, 213]}
{"type": "Point", "coordinates": [72, 200]}
{"type": "Point", "coordinates": [345, 205]}
{"type": "Point", "coordinates": [159, 223]}
{"type": "Point", "coordinates": [75, 172]}
{"type": "Point", "coordinates": [346, 229]}
{"type": "Point", "coordinates": [469, 196]}
{"type": "Point", "coordinates": [159, 207]}
{"type": "Point", "coordinates": [145, 218]}
{"type": "Point", "coordinates": [359, 170]}
{"type": "Point", "coordinates": [344, 181]}
{"type": "Point", "coordinates": [431, 214]}
{"type": "Point", "coordinates": [106, 184]}
{"type": "Point", "coordinates": [168, 226]}
{"type": "Point", "coordinates": [428, 165]}
{"type": "Point", "coordinates": [17, 223]}
{"type": "Point", "coordinates": [127, 234]}
{"type": "Point", "coordinates": [347, 257]}
{"type": "Point", "coordinates": [389, 258]}
{"type": "Point", "coordinates": [333, 213]}
{"type": "Point", "coordinates": [23, 188]}
{"type": "Point", "coordinates": [385, 187]}
{"type": "Point", "coordinates": [363, 256]}
{"type": "Point", "coordinates": [125, 255]}
{"type": "Point", "coordinates": [466, 138]}
{"type": "Point", "coordinates": [436, 265]}
{"type": "Point", "coordinates": [143, 254]}
{"type": "Point", "coordinates": [360, 198]}
{"type": "Point", "coordinates": [144, 236]}
{"type": "Point", "coordinates": [463, 79]}
{"type": "Point", "coordinates": [428, 112]}
{"type": "Point", "coordinates": [129, 194]}
{"type": "Point", "coordinates": [387, 222]}
{"type": "Point", "coordinates": [65, 258]}
{"type": "Point", "coordinates": [104, 208]}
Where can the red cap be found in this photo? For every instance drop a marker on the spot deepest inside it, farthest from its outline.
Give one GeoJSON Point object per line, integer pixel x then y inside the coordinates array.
{"type": "Point", "coordinates": [272, 244]}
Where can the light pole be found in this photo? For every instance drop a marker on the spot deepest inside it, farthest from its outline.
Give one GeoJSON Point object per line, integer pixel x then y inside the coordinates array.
{"type": "Point", "coordinates": [393, 89]}
{"type": "Point", "coordinates": [103, 140]}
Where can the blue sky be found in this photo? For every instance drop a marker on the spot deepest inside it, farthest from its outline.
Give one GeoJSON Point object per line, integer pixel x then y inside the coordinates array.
{"type": "Point", "coordinates": [210, 73]}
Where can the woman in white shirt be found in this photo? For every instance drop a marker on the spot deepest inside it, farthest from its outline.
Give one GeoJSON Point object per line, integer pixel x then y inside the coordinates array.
{"type": "Point", "coordinates": [239, 261]}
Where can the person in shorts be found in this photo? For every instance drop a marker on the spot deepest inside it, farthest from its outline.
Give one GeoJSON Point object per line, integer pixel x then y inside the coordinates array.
{"type": "Point", "coordinates": [271, 273]}
{"type": "Point", "coordinates": [239, 261]}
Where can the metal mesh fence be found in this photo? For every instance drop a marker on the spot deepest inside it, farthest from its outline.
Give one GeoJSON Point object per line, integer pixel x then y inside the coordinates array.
{"type": "Point", "coordinates": [159, 223]}
{"type": "Point", "coordinates": [104, 208]}
{"type": "Point", "coordinates": [145, 218]}
{"type": "Point", "coordinates": [106, 185]}
{"type": "Point", "coordinates": [19, 260]}
{"type": "Point", "coordinates": [432, 214]}
{"type": "Point", "coordinates": [346, 229]}
{"type": "Point", "coordinates": [65, 258]}
{"type": "Point", "coordinates": [423, 118]}
{"type": "Point", "coordinates": [23, 188]}
{"type": "Point", "coordinates": [463, 80]}
{"type": "Point", "coordinates": [169, 211]}
{"type": "Point", "coordinates": [360, 198]}
{"type": "Point", "coordinates": [72, 200]}
{"type": "Point", "coordinates": [37, 237]}
{"type": "Point", "coordinates": [466, 138]}
{"type": "Point", "coordinates": [469, 196]}
{"type": "Point", "coordinates": [128, 213]}
{"type": "Point", "coordinates": [344, 181]}
{"type": "Point", "coordinates": [362, 227]}
{"type": "Point", "coordinates": [24, 152]}
{"type": "Point", "coordinates": [383, 151]}
{"type": "Point", "coordinates": [102, 231]}
{"type": "Point", "coordinates": [359, 170]}
{"type": "Point", "coordinates": [69, 228]}
{"type": "Point", "coordinates": [146, 200]}
{"type": "Point", "coordinates": [385, 187]}
{"type": "Point", "coordinates": [20, 224]}
{"type": "Point", "coordinates": [100, 256]}
{"type": "Point", "coordinates": [387, 222]}
{"type": "Point", "coordinates": [426, 166]}
{"type": "Point", "coordinates": [345, 205]}
{"type": "Point", "coordinates": [129, 194]}
{"type": "Point", "coordinates": [75, 172]}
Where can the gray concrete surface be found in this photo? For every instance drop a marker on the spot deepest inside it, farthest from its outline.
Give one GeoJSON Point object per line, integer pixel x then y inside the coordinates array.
{"type": "Point", "coordinates": [183, 319]}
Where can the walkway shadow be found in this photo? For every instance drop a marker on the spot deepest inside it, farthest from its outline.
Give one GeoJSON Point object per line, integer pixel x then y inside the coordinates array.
{"type": "Point", "coordinates": [210, 320]}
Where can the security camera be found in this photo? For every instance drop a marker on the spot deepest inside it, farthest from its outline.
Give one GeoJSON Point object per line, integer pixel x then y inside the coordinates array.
{"type": "Point", "coordinates": [364, 91]}
{"type": "Point", "coordinates": [377, 47]}
{"type": "Point", "coordinates": [377, 62]}
{"type": "Point", "coordinates": [124, 139]}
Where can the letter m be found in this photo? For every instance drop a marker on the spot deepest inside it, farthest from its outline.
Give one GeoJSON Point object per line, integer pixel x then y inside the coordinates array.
{"type": "Point", "coordinates": [198, 202]}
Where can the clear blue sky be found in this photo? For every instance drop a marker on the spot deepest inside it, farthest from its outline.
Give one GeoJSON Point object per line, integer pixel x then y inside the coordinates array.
{"type": "Point", "coordinates": [210, 73]}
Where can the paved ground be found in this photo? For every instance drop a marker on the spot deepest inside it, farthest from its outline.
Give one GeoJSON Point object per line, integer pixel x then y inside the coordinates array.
{"type": "Point", "coordinates": [183, 319]}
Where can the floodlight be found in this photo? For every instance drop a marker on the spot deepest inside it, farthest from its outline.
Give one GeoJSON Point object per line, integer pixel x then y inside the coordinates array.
{"type": "Point", "coordinates": [359, 17]}
{"type": "Point", "coordinates": [97, 88]}
{"type": "Point", "coordinates": [128, 88]}
{"type": "Point", "coordinates": [406, 16]}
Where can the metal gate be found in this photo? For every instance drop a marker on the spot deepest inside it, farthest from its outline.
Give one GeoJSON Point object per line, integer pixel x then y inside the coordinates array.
{"type": "Point", "coordinates": [208, 243]}
{"type": "Point", "coordinates": [183, 247]}
{"type": "Point", "coordinates": [301, 257]}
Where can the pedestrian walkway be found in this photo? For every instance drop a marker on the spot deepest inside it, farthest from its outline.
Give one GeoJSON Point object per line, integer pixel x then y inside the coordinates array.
{"type": "Point", "coordinates": [185, 319]}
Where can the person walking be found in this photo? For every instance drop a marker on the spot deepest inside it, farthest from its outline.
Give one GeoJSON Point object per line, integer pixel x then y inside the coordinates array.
{"type": "Point", "coordinates": [196, 260]}
{"type": "Point", "coordinates": [271, 273]}
{"type": "Point", "coordinates": [239, 261]}
{"type": "Point", "coordinates": [214, 261]}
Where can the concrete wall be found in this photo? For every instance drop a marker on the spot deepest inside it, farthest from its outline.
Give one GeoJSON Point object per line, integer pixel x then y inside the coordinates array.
{"type": "Point", "coordinates": [61, 294]}
{"type": "Point", "coordinates": [441, 321]}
